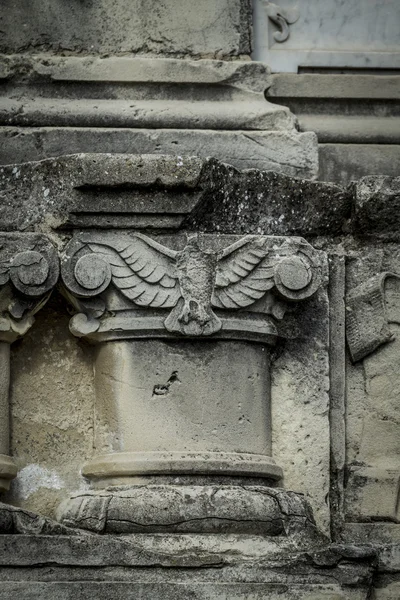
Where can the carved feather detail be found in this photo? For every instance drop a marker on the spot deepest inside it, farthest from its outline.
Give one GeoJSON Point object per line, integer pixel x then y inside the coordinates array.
{"type": "Point", "coordinates": [243, 274]}
{"type": "Point", "coordinates": [143, 272]}
{"type": "Point", "coordinates": [191, 281]}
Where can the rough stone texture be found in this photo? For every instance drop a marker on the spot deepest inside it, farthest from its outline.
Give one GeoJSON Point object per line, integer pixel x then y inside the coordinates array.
{"type": "Point", "coordinates": [203, 566]}
{"type": "Point", "coordinates": [342, 109]}
{"type": "Point", "coordinates": [307, 421]}
{"type": "Point", "coordinates": [373, 431]}
{"type": "Point", "coordinates": [191, 509]}
{"type": "Point", "coordinates": [51, 411]}
{"type": "Point", "coordinates": [300, 409]}
{"type": "Point", "coordinates": [377, 207]}
{"type": "Point", "coordinates": [355, 116]}
{"type": "Point", "coordinates": [273, 203]}
{"type": "Point", "coordinates": [197, 29]}
{"type": "Point", "coordinates": [157, 105]}
{"type": "Point", "coordinates": [74, 189]}
{"type": "Point", "coordinates": [15, 520]}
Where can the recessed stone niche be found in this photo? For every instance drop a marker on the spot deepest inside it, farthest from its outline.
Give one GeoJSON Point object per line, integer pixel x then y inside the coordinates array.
{"type": "Point", "coordinates": [186, 415]}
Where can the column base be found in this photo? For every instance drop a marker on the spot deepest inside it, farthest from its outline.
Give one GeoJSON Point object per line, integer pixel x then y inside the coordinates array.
{"type": "Point", "coordinates": [189, 509]}
{"type": "Point", "coordinates": [8, 470]}
{"type": "Point", "coordinates": [115, 469]}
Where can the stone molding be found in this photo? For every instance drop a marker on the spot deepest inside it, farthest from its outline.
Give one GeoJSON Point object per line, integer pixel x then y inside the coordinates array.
{"type": "Point", "coordinates": [140, 92]}
{"type": "Point", "coordinates": [234, 508]}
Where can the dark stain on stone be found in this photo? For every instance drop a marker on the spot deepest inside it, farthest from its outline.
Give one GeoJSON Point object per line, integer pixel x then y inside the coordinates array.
{"type": "Point", "coordinates": [162, 389]}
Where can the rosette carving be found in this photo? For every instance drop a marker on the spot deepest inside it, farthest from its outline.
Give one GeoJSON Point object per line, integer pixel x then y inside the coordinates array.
{"type": "Point", "coordinates": [29, 270]}
{"type": "Point", "coordinates": [193, 286]}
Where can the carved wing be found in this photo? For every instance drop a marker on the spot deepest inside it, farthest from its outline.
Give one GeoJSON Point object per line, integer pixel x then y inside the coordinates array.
{"type": "Point", "coordinates": [243, 274]}
{"type": "Point", "coordinates": [144, 271]}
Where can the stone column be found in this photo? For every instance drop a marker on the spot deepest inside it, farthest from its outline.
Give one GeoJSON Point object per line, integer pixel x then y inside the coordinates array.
{"type": "Point", "coordinates": [184, 327]}
{"type": "Point", "coordinates": [28, 272]}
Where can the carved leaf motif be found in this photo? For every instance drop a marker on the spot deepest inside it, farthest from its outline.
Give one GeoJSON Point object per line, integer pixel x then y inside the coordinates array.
{"type": "Point", "coordinates": [243, 274]}
{"type": "Point", "coordinates": [144, 272]}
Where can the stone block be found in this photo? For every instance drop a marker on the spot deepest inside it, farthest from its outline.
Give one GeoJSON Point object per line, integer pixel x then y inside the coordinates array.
{"type": "Point", "coordinates": [287, 152]}
{"type": "Point", "coordinates": [104, 190]}
{"type": "Point", "coordinates": [198, 28]}
{"type": "Point", "coordinates": [374, 493]}
{"type": "Point", "coordinates": [343, 163]}
{"type": "Point", "coordinates": [377, 207]}
{"type": "Point", "coordinates": [224, 567]}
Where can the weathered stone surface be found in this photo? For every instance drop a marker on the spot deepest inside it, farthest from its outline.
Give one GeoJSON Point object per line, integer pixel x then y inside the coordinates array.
{"type": "Point", "coordinates": [377, 207]}
{"type": "Point", "coordinates": [139, 93]}
{"type": "Point", "coordinates": [190, 509]}
{"type": "Point", "coordinates": [201, 274]}
{"type": "Point", "coordinates": [367, 317]}
{"type": "Point", "coordinates": [283, 151]}
{"type": "Point", "coordinates": [29, 270]}
{"type": "Point", "coordinates": [273, 203]}
{"type": "Point", "coordinates": [198, 591]}
{"type": "Point", "coordinates": [203, 566]}
{"type": "Point", "coordinates": [300, 408]}
{"type": "Point", "coordinates": [126, 190]}
{"type": "Point", "coordinates": [51, 402]}
{"type": "Point", "coordinates": [389, 592]}
{"type": "Point", "coordinates": [334, 106]}
{"type": "Point", "coordinates": [170, 28]}
{"type": "Point", "coordinates": [15, 520]}
{"type": "Point", "coordinates": [373, 433]}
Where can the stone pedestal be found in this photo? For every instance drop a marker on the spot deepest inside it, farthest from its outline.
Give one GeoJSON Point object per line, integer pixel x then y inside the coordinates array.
{"type": "Point", "coordinates": [185, 325]}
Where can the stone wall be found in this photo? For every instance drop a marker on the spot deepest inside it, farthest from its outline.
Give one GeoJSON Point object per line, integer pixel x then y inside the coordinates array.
{"type": "Point", "coordinates": [198, 356]}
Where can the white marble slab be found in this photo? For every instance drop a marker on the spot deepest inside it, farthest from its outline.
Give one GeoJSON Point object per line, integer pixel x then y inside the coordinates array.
{"type": "Point", "coordinates": [328, 33]}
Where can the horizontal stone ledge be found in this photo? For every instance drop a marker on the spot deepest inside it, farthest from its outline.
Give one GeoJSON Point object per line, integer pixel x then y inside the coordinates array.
{"type": "Point", "coordinates": [124, 464]}
{"type": "Point", "coordinates": [242, 114]}
{"type": "Point", "coordinates": [292, 153]}
{"type": "Point", "coordinates": [334, 86]}
{"type": "Point", "coordinates": [250, 328]}
{"type": "Point", "coordinates": [248, 75]}
{"type": "Point", "coordinates": [355, 129]}
{"type": "Point", "coordinates": [112, 590]}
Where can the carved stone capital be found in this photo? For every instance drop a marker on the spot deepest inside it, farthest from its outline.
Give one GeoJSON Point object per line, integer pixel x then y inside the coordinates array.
{"type": "Point", "coordinates": [29, 269]}
{"type": "Point", "coordinates": [131, 285]}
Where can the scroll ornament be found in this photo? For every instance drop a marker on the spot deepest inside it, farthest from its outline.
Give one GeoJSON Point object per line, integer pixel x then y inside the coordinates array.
{"type": "Point", "coordinates": [282, 18]}
{"type": "Point", "coordinates": [190, 284]}
{"type": "Point", "coordinates": [29, 270]}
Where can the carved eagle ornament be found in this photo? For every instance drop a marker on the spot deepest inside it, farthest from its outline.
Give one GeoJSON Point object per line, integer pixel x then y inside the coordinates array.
{"type": "Point", "coordinates": [192, 281]}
